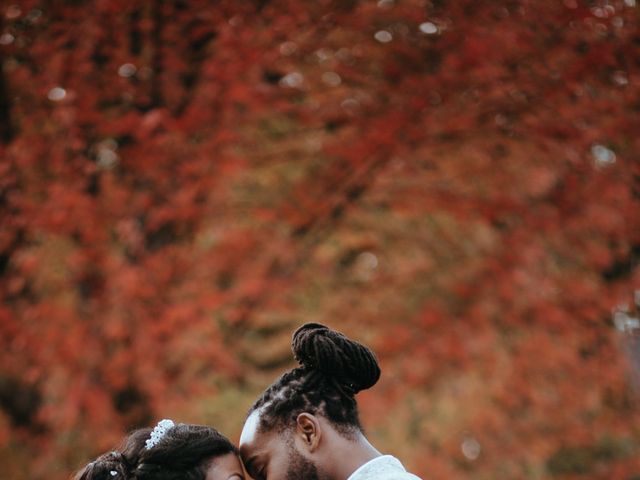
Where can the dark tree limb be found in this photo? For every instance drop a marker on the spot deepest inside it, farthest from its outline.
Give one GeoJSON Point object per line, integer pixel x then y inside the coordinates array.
{"type": "Point", "coordinates": [6, 125]}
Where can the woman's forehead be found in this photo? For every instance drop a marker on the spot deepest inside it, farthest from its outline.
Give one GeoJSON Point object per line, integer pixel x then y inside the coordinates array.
{"type": "Point", "coordinates": [224, 467]}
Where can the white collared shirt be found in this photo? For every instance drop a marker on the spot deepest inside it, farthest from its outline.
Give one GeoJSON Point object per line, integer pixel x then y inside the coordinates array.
{"type": "Point", "coordinates": [385, 467]}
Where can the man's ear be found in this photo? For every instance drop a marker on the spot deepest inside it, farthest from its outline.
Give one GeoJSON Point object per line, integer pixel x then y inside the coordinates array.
{"type": "Point", "coordinates": [308, 431]}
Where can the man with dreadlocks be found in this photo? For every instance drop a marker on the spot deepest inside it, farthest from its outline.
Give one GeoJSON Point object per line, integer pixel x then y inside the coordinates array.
{"type": "Point", "coordinates": [306, 425]}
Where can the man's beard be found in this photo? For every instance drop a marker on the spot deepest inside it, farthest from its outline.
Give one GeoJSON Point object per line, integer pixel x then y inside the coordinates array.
{"type": "Point", "coordinates": [299, 467]}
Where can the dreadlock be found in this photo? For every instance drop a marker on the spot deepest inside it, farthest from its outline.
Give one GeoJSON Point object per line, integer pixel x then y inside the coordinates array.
{"type": "Point", "coordinates": [333, 369]}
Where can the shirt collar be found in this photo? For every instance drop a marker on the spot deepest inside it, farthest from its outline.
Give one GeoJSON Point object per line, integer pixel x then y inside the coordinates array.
{"type": "Point", "coordinates": [377, 467]}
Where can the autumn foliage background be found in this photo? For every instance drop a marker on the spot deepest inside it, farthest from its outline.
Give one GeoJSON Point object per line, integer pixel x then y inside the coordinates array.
{"type": "Point", "coordinates": [455, 183]}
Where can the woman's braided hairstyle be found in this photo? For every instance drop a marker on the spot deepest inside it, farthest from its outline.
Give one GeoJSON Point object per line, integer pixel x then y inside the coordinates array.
{"type": "Point", "coordinates": [333, 369]}
{"type": "Point", "coordinates": [185, 452]}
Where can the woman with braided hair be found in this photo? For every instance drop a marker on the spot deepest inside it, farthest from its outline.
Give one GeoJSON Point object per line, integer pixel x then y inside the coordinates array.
{"type": "Point", "coordinates": [169, 452]}
{"type": "Point", "coordinates": [306, 425]}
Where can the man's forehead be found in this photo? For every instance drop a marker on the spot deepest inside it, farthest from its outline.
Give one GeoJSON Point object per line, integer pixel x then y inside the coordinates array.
{"type": "Point", "coordinates": [250, 429]}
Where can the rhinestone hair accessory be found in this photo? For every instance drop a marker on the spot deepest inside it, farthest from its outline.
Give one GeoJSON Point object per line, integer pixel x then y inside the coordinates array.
{"type": "Point", "coordinates": [158, 432]}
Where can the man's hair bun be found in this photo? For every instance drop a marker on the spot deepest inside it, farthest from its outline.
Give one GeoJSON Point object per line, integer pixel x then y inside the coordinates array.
{"type": "Point", "coordinates": [352, 365]}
